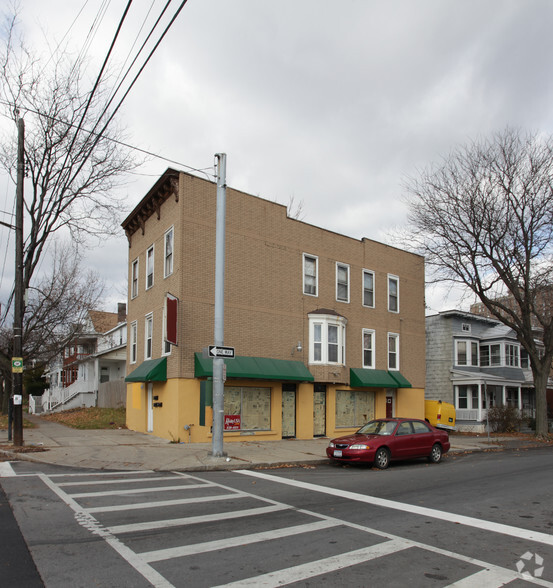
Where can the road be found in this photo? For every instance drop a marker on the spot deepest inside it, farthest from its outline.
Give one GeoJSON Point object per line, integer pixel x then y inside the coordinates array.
{"type": "Point", "coordinates": [483, 519]}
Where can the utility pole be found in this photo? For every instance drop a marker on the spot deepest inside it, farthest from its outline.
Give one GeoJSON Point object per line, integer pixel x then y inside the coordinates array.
{"type": "Point", "coordinates": [219, 362]}
{"type": "Point", "coordinates": [17, 359]}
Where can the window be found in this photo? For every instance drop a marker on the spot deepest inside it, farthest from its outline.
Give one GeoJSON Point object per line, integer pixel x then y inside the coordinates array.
{"type": "Point", "coordinates": [149, 327]}
{"type": "Point", "coordinates": [354, 408]}
{"type": "Point", "coordinates": [247, 409]}
{"type": "Point", "coordinates": [134, 332]}
{"type": "Point", "coordinates": [327, 337]}
{"type": "Point", "coordinates": [466, 327]}
{"type": "Point", "coordinates": [310, 274]}
{"type": "Point", "coordinates": [512, 355]}
{"type": "Point", "coordinates": [368, 288]}
{"type": "Point", "coordinates": [134, 279]}
{"type": "Point", "coordinates": [490, 355]}
{"type": "Point", "coordinates": [393, 351]}
{"type": "Point", "coordinates": [466, 353]}
{"type": "Point", "coordinates": [524, 359]}
{"type": "Point", "coordinates": [342, 282]}
{"type": "Point", "coordinates": [467, 397]}
{"type": "Point", "coordinates": [168, 253]}
{"type": "Point", "coordinates": [393, 293]}
{"type": "Point", "coordinates": [368, 349]}
{"type": "Point", "coordinates": [166, 346]}
{"type": "Point", "coordinates": [150, 267]}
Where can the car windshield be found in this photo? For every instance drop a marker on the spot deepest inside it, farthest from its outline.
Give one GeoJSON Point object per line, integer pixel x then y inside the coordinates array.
{"type": "Point", "coordinates": [378, 428]}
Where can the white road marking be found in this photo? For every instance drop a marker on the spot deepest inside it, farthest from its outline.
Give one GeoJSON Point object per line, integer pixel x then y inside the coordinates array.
{"type": "Point", "coordinates": [136, 491]}
{"type": "Point", "coordinates": [85, 519]}
{"type": "Point", "coordinates": [184, 550]}
{"type": "Point", "coordinates": [321, 566]}
{"type": "Point", "coordinates": [162, 503]}
{"type": "Point", "coordinates": [488, 578]}
{"type": "Point", "coordinates": [100, 482]}
{"type": "Point", "coordinates": [6, 470]}
{"type": "Point", "coordinates": [218, 516]}
{"type": "Point", "coordinates": [441, 515]}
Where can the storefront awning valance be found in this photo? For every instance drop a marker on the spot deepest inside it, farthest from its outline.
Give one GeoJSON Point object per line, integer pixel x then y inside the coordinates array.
{"type": "Point", "coordinates": [364, 378]}
{"type": "Point", "coordinates": [258, 368]}
{"type": "Point", "coordinates": [151, 370]}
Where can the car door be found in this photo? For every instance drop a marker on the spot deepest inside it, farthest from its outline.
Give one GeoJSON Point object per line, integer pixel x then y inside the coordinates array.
{"type": "Point", "coordinates": [403, 441]}
{"type": "Point", "coordinates": [423, 438]}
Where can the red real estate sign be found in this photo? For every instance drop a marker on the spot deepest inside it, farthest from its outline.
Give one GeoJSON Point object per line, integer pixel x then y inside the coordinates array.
{"type": "Point", "coordinates": [232, 422]}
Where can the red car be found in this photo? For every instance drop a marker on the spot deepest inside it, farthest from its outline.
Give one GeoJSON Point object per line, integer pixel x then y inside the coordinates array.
{"type": "Point", "coordinates": [382, 440]}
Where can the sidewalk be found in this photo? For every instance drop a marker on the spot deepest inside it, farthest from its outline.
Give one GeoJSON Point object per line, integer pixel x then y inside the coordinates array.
{"type": "Point", "coordinates": [122, 449]}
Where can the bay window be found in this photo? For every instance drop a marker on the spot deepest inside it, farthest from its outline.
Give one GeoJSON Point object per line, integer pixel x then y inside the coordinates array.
{"type": "Point", "coordinates": [327, 339]}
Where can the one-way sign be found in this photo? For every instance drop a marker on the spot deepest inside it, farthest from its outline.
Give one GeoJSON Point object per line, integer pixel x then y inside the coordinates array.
{"type": "Point", "coordinates": [220, 351]}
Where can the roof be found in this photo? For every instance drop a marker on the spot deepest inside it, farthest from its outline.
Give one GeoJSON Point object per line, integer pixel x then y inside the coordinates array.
{"type": "Point", "coordinates": [103, 321]}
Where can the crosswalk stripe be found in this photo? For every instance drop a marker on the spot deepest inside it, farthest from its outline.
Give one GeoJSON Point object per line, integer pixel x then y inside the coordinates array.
{"type": "Point", "coordinates": [321, 566]}
{"type": "Point", "coordinates": [488, 578]}
{"type": "Point", "coordinates": [162, 503]}
{"type": "Point", "coordinates": [136, 491]}
{"type": "Point", "coordinates": [100, 482]}
{"type": "Point", "coordinates": [6, 470]}
{"type": "Point", "coordinates": [184, 550]}
{"type": "Point", "coordinates": [218, 516]}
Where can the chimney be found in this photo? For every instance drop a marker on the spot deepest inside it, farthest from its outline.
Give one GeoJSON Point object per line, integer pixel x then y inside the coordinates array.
{"type": "Point", "coordinates": [121, 312]}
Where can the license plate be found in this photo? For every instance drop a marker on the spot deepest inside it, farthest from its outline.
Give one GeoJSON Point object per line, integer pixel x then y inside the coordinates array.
{"type": "Point", "coordinates": [337, 453]}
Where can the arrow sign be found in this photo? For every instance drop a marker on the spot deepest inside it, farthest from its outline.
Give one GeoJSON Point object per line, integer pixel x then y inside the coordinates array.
{"type": "Point", "coordinates": [220, 351]}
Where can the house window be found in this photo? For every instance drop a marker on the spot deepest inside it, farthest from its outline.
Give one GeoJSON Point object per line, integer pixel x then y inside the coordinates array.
{"type": "Point", "coordinates": [150, 267]}
{"type": "Point", "coordinates": [327, 339]}
{"type": "Point", "coordinates": [490, 355]}
{"type": "Point", "coordinates": [310, 274]}
{"type": "Point", "coordinates": [393, 293]}
{"type": "Point", "coordinates": [342, 282]}
{"type": "Point", "coordinates": [368, 348]}
{"type": "Point", "coordinates": [134, 279]}
{"type": "Point", "coordinates": [166, 346]}
{"type": "Point", "coordinates": [149, 328]}
{"type": "Point", "coordinates": [368, 288]}
{"type": "Point", "coordinates": [465, 327]}
{"type": "Point", "coordinates": [247, 409]}
{"type": "Point", "coordinates": [168, 253]}
{"type": "Point", "coordinates": [393, 351]}
{"type": "Point", "coordinates": [354, 408]}
{"type": "Point", "coordinates": [524, 359]}
{"type": "Point", "coordinates": [512, 355]}
{"type": "Point", "coordinates": [134, 332]}
{"type": "Point", "coordinates": [467, 397]}
{"type": "Point", "coordinates": [466, 353]}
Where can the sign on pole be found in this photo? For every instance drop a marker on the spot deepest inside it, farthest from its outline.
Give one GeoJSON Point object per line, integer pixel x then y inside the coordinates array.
{"type": "Point", "coordinates": [220, 351]}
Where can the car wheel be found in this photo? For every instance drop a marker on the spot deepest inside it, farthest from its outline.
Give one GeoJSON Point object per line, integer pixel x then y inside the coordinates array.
{"type": "Point", "coordinates": [382, 458]}
{"type": "Point", "coordinates": [436, 454]}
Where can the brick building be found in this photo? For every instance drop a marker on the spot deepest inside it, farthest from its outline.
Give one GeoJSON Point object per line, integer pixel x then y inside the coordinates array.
{"type": "Point", "coordinates": [328, 330]}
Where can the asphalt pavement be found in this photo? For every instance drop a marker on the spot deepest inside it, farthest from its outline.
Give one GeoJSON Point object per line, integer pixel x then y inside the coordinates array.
{"type": "Point", "coordinates": [121, 449]}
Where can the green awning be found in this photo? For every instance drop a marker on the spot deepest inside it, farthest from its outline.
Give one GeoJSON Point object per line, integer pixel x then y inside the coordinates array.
{"type": "Point", "coordinates": [365, 378]}
{"type": "Point", "coordinates": [151, 370]}
{"type": "Point", "coordinates": [258, 368]}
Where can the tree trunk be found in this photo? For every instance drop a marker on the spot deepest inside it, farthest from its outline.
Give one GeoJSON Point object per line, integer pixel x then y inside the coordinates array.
{"type": "Point", "coordinates": [540, 384]}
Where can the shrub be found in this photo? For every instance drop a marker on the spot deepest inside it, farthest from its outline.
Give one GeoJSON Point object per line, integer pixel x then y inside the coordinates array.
{"type": "Point", "coordinates": [504, 419]}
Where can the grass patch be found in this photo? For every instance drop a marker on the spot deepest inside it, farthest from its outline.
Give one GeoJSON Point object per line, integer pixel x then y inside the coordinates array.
{"type": "Point", "coordinates": [4, 423]}
{"type": "Point", "coordinates": [90, 418]}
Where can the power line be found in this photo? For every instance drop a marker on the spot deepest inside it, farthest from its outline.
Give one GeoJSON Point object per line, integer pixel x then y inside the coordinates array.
{"type": "Point", "coordinates": [117, 142]}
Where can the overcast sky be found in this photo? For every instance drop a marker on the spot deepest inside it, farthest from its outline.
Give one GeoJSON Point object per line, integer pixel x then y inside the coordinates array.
{"type": "Point", "coordinates": [333, 104]}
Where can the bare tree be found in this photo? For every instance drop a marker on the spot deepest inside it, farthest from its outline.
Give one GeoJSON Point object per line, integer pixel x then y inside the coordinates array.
{"type": "Point", "coordinates": [483, 219]}
{"type": "Point", "coordinates": [74, 165]}
{"type": "Point", "coordinates": [55, 312]}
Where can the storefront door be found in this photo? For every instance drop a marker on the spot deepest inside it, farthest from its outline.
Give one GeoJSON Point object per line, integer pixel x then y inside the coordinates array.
{"type": "Point", "coordinates": [319, 410]}
{"type": "Point", "coordinates": [288, 410]}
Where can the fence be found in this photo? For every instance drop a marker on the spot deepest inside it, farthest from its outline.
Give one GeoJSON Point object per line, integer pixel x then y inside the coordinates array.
{"type": "Point", "coordinates": [112, 394]}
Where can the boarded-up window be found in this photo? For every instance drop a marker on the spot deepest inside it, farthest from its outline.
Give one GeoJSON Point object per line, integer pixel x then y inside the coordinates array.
{"type": "Point", "coordinates": [354, 408]}
{"type": "Point", "coordinates": [253, 405]}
